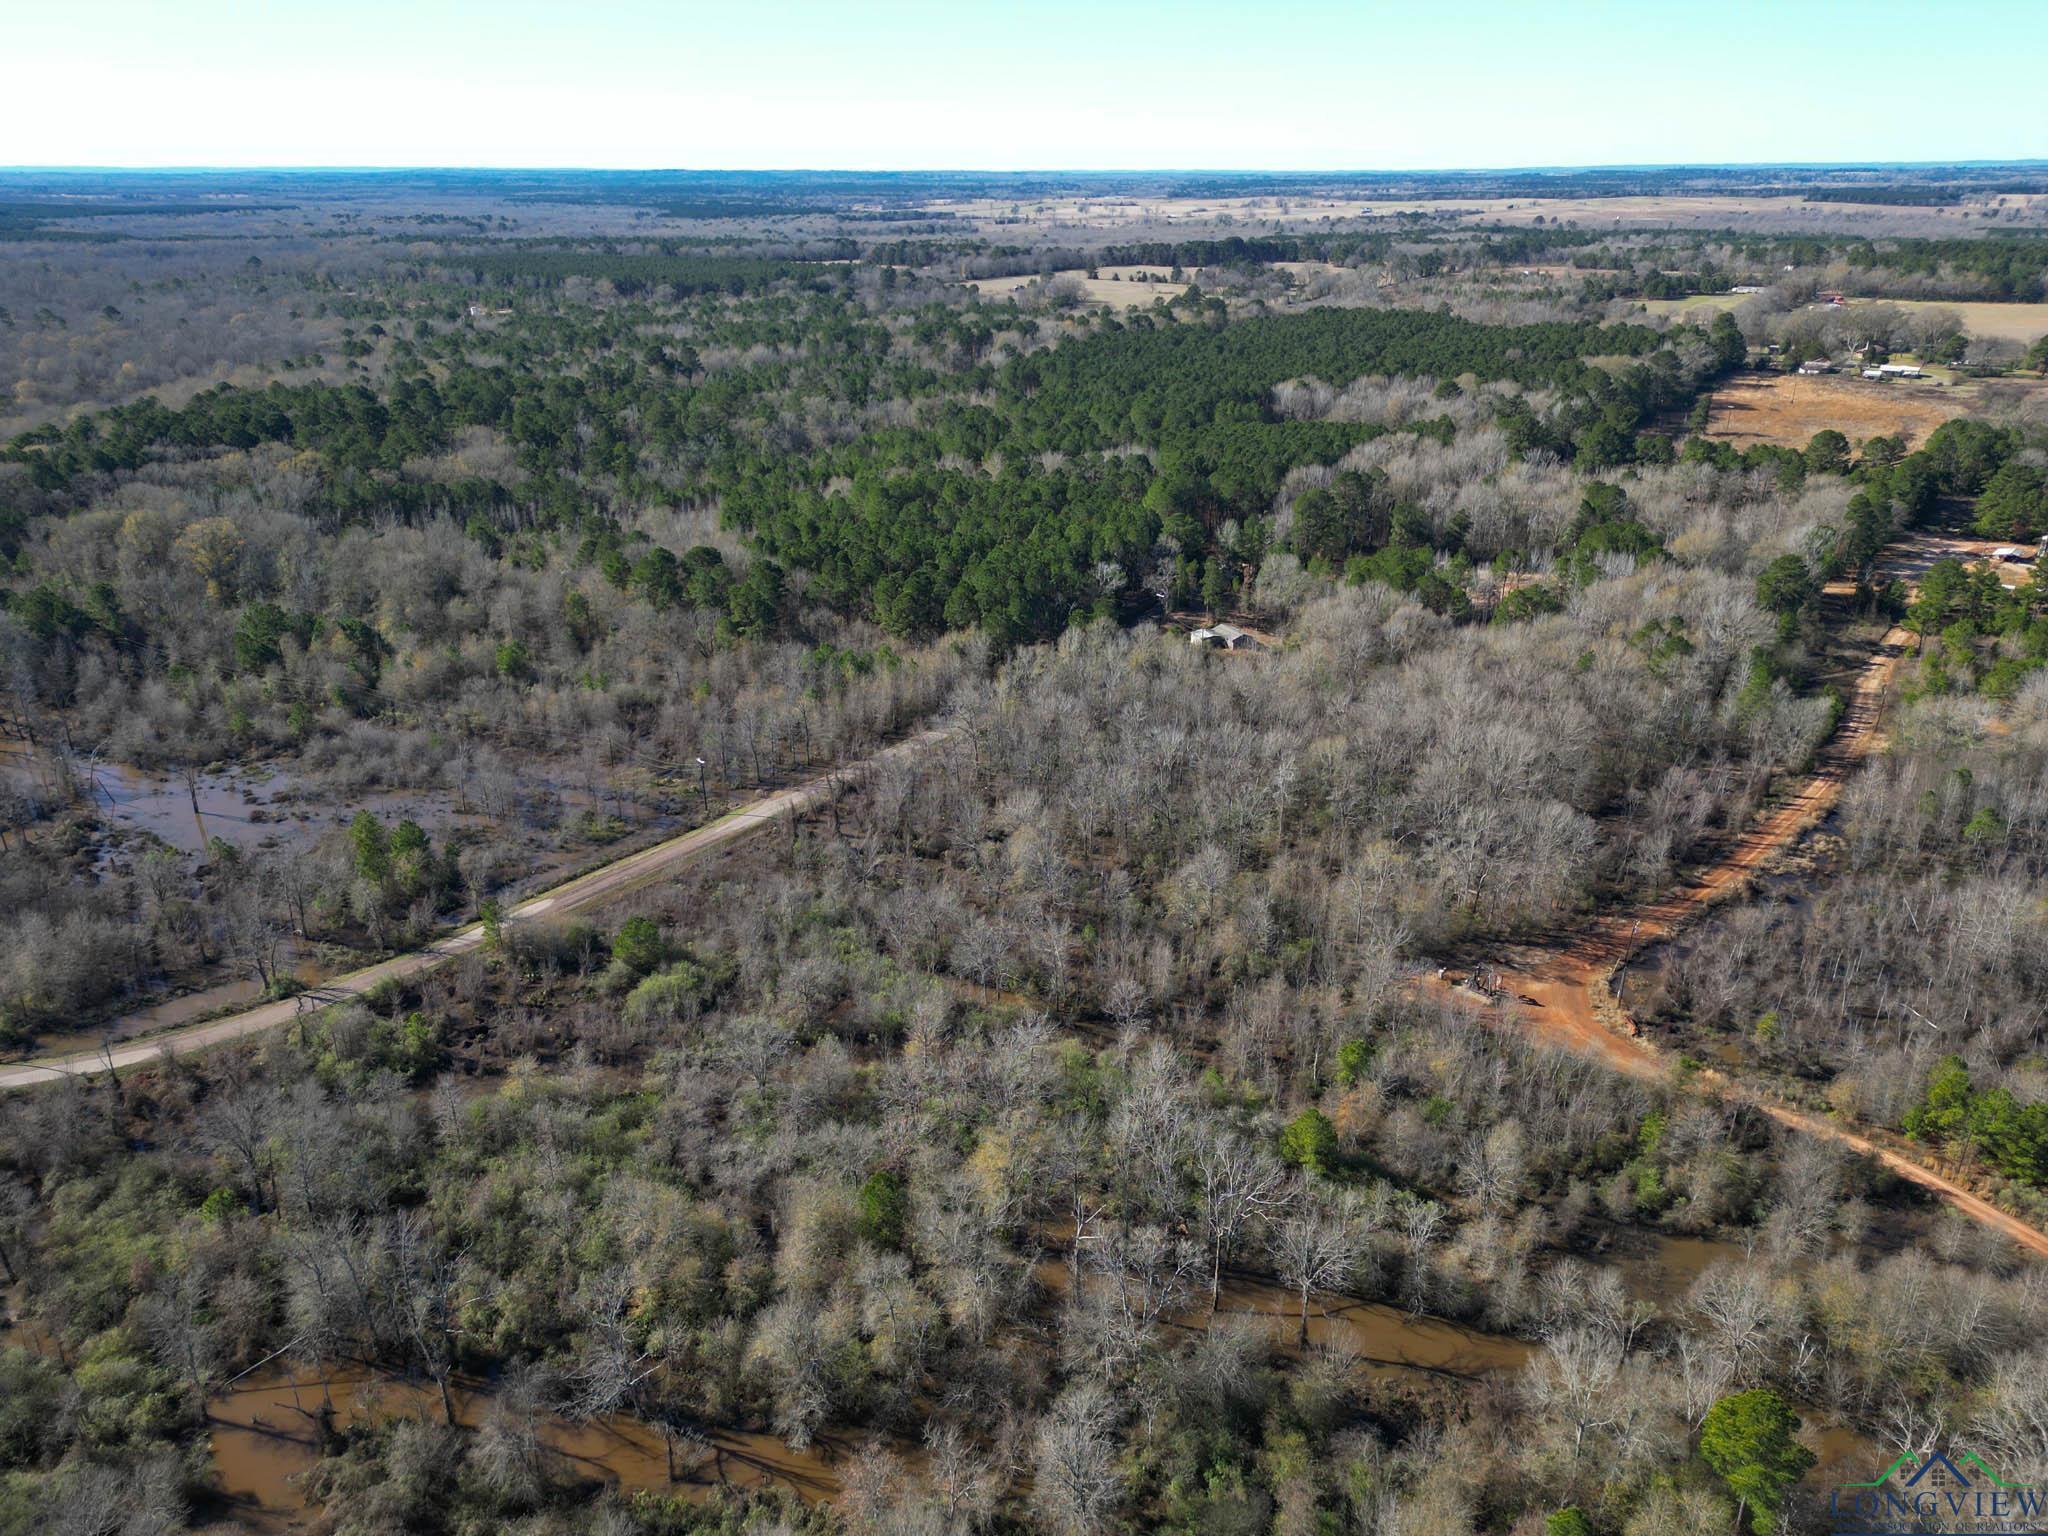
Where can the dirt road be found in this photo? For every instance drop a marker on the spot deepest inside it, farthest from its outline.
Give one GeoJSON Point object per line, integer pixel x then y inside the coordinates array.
{"type": "Point", "coordinates": [586, 890]}
{"type": "Point", "coordinates": [1563, 994]}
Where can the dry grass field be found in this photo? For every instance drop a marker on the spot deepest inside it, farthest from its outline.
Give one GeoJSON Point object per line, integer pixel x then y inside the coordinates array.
{"type": "Point", "coordinates": [1698, 303]}
{"type": "Point", "coordinates": [1262, 215]}
{"type": "Point", "coordinates": [2023, 323]}
{"type": "Point", "coordinates": [1124, 293]}
{"type": "Point", "coordinates": [1789, 408]}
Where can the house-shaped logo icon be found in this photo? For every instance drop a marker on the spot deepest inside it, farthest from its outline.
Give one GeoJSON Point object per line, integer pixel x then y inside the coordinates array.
{"type": "Point", "coordinates": [1951, 1486]}
{"type": "Point", "coordinates": [1936, 1470]}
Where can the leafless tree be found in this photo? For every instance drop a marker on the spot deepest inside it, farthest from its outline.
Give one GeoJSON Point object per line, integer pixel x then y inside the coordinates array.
{"type": "Point", "coordinates": [1238, 1184]}
{"type": "Point", "coordinates": [422, 1279]}
{"type": "Point", "coordinates": [1076, 1478]}
{"type": "Point", "coordinates": [1317, 1246]}
{"type": "Point", "coordinates": [1574, 1378]}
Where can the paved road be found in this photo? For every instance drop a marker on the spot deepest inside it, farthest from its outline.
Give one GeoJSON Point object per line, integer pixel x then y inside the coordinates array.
{"type": "Point", "coordinates": [600, 884]}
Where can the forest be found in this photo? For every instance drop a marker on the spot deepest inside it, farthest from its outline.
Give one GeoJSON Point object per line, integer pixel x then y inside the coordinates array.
{"type": "Point", "coordinates": [1094, 1116]}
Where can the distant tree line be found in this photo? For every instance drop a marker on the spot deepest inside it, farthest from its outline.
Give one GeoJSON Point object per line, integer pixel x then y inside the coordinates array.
{"type": "Point", "coordinates": [912, 539]}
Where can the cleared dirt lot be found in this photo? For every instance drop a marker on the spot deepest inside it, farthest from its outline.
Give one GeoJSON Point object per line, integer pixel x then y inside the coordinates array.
{"type": "Point", "coordinates": [1789, 408]}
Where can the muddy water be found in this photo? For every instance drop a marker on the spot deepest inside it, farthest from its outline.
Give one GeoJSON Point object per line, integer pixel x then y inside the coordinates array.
{"type": "Point", "coordinates": [1386, 1339]}
{"type": "Point", "coordinates": [266, 1437]}
{"type": "Point", "coordinates": [188, 817]}
{"type": "Point", "coordinates": [237, 806]}
{"type": "Point", "coordinates": [186, 1008]}
{"type": "Point", "coordinates": [249, 807]}
{"type": "Point", "coordinates": [1659, 1266]}
{"type": "Point", "coordinates": [265, 1428]}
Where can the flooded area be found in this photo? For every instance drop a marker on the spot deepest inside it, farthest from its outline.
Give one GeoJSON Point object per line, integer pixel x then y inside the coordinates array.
{"type": "Point", "coordinates": [269, 1427]}
{"type": "Point", "coordinates": [266, 805]}
{"type": "Point", "coordinates": [1387, 1340]}
{"type": "Point", "coordinates": [188, 1007]}
{"type": "Point", "coordinates": [545, 829]}
{"type": "Point", "coordinates": [187, 814]}
{"type": "Point", "coordinates": [1659, 1266]}
{"type": "Point", "coordinates": [267, 1432]}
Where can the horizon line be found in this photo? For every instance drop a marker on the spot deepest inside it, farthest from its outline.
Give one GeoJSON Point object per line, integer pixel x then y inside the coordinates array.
{"type": "Point", "coordinates": [1553, 168]}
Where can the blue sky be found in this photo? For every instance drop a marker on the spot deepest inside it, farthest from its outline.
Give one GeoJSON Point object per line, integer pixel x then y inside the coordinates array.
{"type": "Point", "coordinates": [877, 84]}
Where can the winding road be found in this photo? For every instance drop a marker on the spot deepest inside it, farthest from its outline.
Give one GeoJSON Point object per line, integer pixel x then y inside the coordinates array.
{"type": "Point", "coordinates": [1562, 992]}
{"type": "Point", "coordinates": [601, 884]}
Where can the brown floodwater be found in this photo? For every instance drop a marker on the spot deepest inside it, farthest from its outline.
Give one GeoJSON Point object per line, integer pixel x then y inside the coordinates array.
{"type": "Point", "coordinates": [266, 1437]}
{"type": "Point", "coordinates": [186, 1008]}
{"type": "Point", "coordinates": [1661, 1266]}
{"type": "Point", "coordinates": [262, 804]}
{"type": "Point", "coordinates": [226, 806]}
{"type": "Point", "coordinates": [265, 1428]}
{"type": "Point", "coordinates": [1385, 1339]}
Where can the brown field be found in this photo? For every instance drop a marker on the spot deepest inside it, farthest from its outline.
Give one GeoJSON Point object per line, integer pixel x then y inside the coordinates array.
{"type": "Point", "coordinates": [1693, 304]}
{"type": "Point", "coordinates": [2023, 323]}
{"type": "Point", "coordinates": [1255, 214]}
{"type": "Point", "coordinates": [1789, 408]}
{"type": "Point", "coordinates": [1100, 290]}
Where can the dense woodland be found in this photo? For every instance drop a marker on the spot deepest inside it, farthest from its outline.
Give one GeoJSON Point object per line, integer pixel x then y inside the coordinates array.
{"type": "Point", "coordinates": [1007, 1136]}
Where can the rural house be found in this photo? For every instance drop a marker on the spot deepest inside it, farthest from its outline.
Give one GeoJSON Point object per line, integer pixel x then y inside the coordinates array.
{"type": "Point", "coordinates": [1224, 637]}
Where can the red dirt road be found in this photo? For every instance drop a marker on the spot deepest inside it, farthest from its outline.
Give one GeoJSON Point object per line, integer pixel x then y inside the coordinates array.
{"type": "Point", "coordinates": [1561, 993]}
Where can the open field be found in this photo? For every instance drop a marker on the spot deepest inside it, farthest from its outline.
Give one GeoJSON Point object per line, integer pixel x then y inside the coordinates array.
{"type": "Point", "coordinates": [1251, 215]}
{"type": "Point", "coordinates": [1253, 212]}
{"type": "Point", "coordinates": [1706, 212]}
{"type": "Point", "coordinates": [1789, 408]}
{"type": "Point", "coordinates": [1098, 290]}
{"type": "Point", "coordinates": [1699, 303]}
{"type": "Point", "coordinates": [2023, 323]}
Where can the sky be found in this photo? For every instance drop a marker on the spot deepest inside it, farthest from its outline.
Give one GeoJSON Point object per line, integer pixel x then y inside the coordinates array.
{"type": "Point", "coordinates": [981, 85]}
